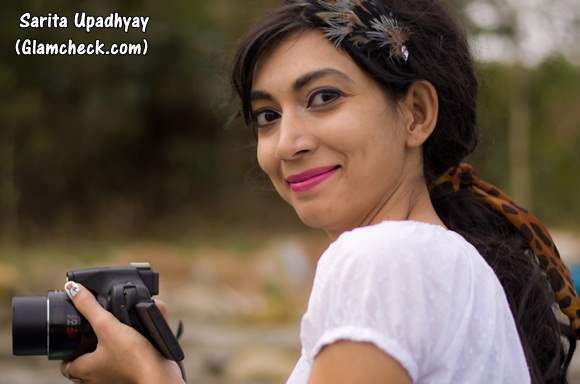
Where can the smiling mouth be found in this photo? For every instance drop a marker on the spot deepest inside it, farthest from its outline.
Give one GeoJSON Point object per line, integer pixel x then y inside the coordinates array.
{"type": "Point", "coordinates": [308, 180]}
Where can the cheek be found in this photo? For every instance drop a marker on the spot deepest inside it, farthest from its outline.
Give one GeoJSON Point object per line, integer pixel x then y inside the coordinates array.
{"type": "Point", "coordinates": [265, 157]}
{"type": "Point", "coordinates": [368, 137]}
{"type": "Point", "coordinates": [269, 163]}
{"type": "Point", "coordinates": [375, 150]}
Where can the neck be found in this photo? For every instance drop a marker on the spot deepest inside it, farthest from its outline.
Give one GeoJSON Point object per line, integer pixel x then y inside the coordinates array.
{"type": "Point", "coordinates": [409, 201]}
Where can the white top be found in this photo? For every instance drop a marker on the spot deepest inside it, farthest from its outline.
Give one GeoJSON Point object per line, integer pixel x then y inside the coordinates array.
{"type": "Point", "coordinates": [420, 293]}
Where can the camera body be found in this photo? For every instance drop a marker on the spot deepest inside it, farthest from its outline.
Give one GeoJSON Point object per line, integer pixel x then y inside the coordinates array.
{"type": "Point", "coordinates": [50, 325]}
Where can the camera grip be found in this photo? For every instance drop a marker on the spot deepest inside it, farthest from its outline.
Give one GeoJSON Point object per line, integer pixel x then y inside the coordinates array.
{"type": "Point", "coordinates": [158, 330]}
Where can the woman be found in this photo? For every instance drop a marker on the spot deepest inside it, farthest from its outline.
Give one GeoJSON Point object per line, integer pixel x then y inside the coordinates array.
{"type": "Point", "coordinates": [363, 112]}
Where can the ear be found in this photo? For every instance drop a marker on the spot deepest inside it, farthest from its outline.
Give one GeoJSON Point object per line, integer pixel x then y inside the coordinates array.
{"type": "Point", "coordinates": [421, 110]}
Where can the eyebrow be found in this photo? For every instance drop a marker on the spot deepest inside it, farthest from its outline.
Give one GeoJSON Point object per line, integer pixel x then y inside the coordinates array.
{"type": "Point", "coordinates": [302, 81]}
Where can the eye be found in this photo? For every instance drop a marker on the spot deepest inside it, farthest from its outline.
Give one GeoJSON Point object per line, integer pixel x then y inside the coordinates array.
{"type": "Point", "coordinates": [323, 97]}
{"type": "Point", "coordinates": [265, 117]}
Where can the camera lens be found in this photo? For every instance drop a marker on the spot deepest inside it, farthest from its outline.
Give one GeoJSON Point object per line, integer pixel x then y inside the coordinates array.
{"type": "Point", "coordinates": [49, 325]}
{"type": "Point", "coordinates": [29, 326]}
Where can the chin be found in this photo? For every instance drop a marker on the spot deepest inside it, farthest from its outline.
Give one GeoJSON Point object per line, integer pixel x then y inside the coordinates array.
{"type": "Point", "coordinates": [315, 219]}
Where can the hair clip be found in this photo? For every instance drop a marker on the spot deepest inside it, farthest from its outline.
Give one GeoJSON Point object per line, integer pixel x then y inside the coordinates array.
{"type": "Point", "coordinates": [361, 23]}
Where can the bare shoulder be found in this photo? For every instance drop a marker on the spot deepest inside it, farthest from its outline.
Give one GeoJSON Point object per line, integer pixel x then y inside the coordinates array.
{"type": "Point", "coordinates": [347, 362]}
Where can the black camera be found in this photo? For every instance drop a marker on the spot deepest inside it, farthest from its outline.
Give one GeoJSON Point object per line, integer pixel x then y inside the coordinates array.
{"type": "Point", "coordinates": [50, 325]}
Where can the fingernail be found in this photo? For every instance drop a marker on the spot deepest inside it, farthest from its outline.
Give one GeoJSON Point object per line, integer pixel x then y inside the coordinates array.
{"type": "Point", "coordinates": [72, 289]}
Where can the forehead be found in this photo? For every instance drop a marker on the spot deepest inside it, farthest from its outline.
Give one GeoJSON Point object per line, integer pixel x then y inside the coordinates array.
{"type": "Point", "coordinates": [299, 54]}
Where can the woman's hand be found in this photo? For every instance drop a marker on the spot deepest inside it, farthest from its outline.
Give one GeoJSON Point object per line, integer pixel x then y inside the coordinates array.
{"type": "Point", "coordinates": [123, 355]}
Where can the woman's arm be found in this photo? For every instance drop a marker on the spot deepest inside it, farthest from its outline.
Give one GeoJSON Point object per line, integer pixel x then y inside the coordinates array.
{"type": "Point", "coordinates": [347, 362]}
{"type": "Point", "coordinates": [123, 355]}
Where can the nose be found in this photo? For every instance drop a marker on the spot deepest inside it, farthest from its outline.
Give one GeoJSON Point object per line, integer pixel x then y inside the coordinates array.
{"type": "Point", "coordinates": [295, 137]}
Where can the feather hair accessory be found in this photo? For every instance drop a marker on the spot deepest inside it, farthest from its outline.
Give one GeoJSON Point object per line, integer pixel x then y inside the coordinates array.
{"type": "Point", "coordinates": [363, 23]}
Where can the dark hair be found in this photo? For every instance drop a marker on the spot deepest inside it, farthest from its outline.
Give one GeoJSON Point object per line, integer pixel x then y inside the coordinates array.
{"type": "Point", "coordinates": [439, 53]}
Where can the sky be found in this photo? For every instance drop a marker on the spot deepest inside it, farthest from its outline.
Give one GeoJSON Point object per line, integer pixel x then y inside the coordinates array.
{"type": "Point", "coordinates": [545, 28]}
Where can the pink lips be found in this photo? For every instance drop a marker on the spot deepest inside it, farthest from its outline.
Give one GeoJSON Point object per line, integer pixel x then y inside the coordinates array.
{"type": "Point", "coordinates": [311, 178]}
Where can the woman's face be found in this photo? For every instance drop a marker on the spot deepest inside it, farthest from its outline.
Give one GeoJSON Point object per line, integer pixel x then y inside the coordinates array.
{"type": "Point", "coordinates": [330, 140]}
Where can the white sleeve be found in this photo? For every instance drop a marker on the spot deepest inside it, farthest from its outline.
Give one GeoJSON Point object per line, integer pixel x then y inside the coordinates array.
{"type": "Point", "coordinates": [403, 295]}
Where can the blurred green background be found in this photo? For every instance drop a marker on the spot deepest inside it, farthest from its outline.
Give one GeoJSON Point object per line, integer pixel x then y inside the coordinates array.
{"type": "Point", "coordinates": [109, 159]}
